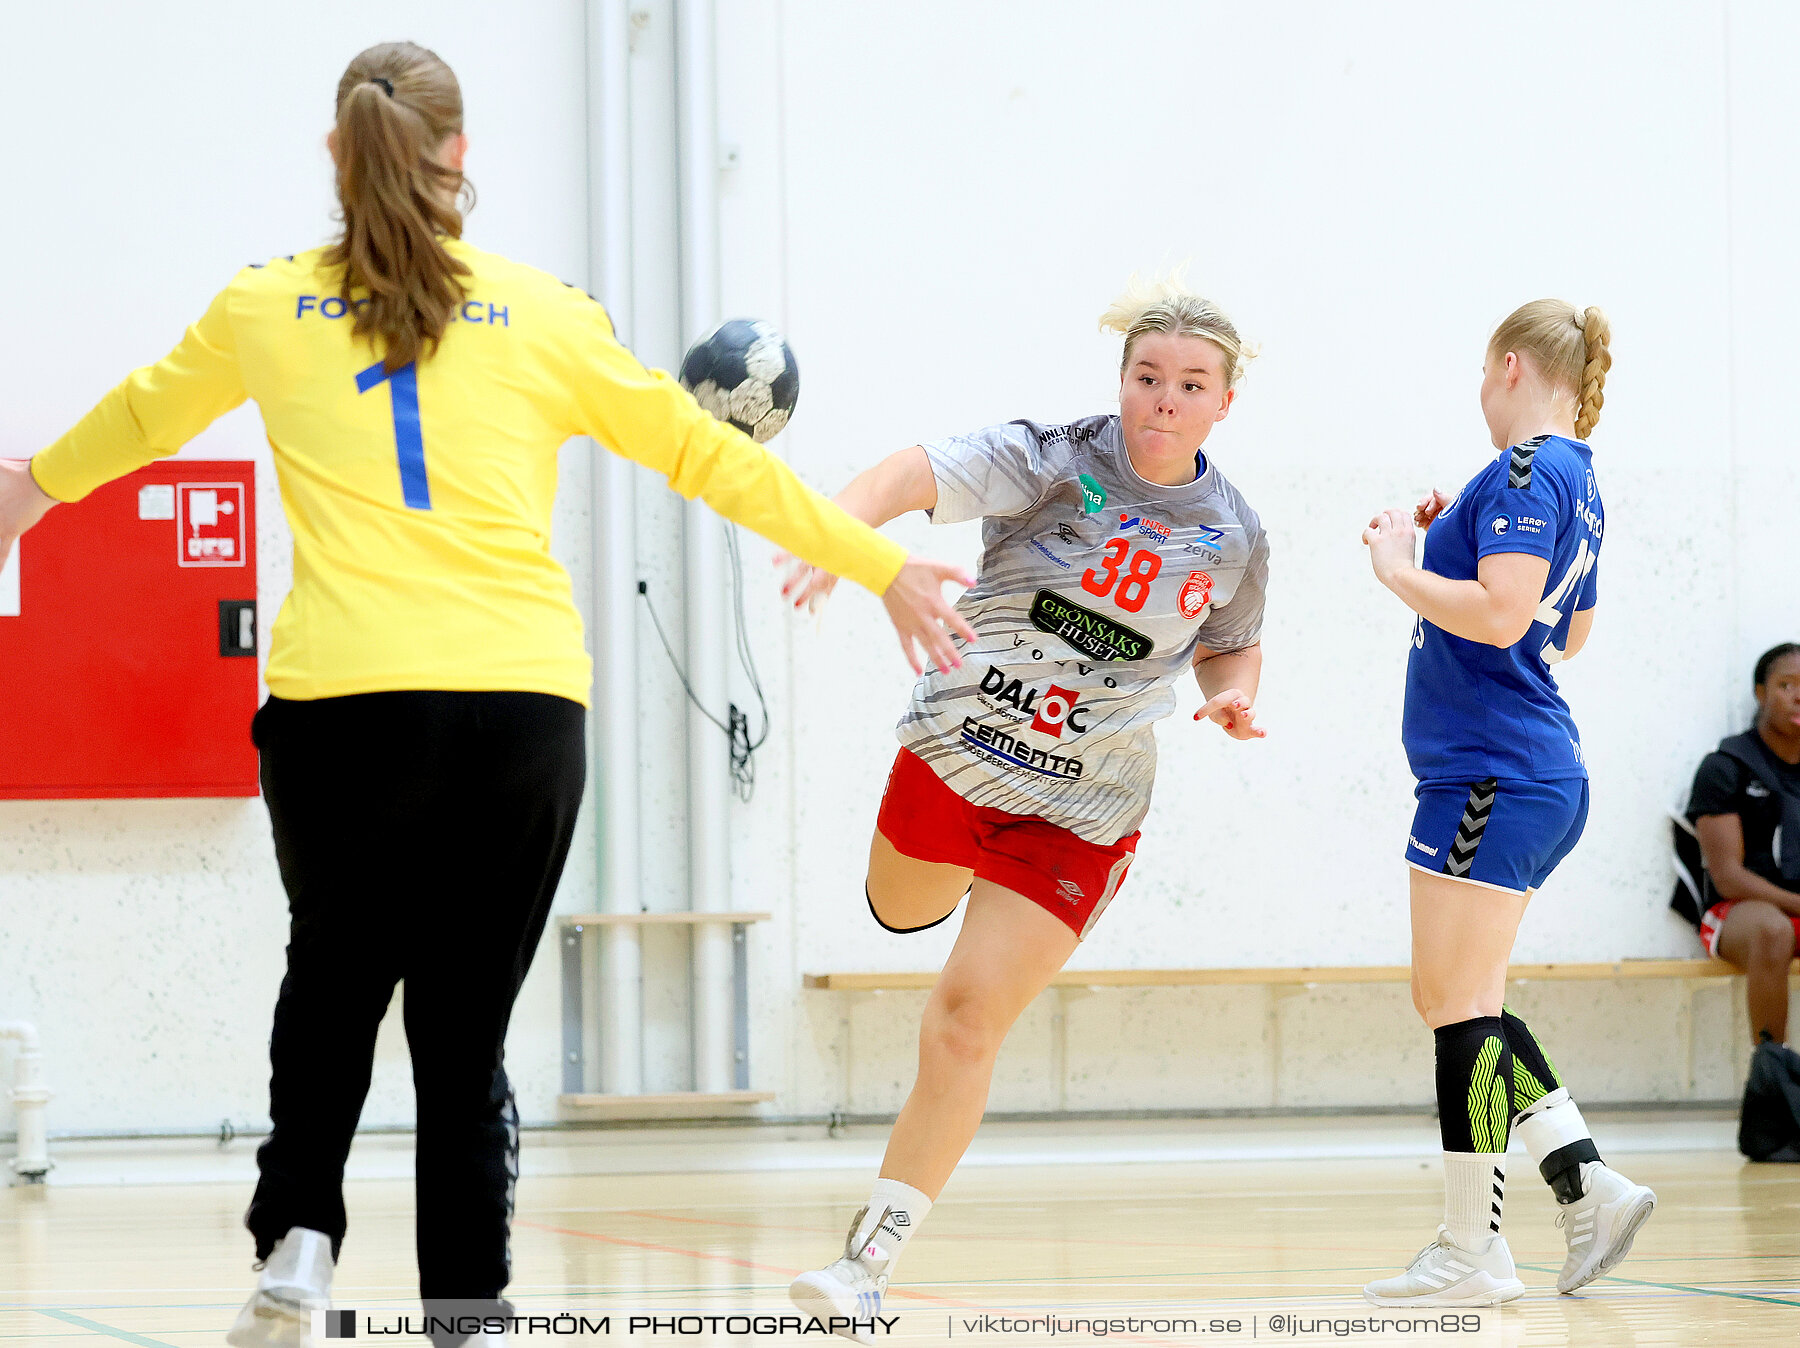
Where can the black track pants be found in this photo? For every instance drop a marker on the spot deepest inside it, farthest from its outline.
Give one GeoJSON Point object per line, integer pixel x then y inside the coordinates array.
{"type": "Point", "coordinates": [420, 837]}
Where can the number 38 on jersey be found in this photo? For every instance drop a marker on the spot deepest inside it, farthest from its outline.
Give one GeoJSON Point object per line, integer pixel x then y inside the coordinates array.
{"type": "Point", "coordinates": [1130, 592]}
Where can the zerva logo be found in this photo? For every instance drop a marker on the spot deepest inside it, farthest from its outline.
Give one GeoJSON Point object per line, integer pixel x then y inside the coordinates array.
{"type": "Point", "coordinates": [1209, 536]}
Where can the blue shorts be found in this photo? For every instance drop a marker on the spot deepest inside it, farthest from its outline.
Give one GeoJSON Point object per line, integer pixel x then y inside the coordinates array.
{"type": "Point", "coordinates": [1503, 834]}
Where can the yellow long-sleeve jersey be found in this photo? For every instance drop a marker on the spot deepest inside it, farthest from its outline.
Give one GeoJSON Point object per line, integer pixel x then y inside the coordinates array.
{"type": "Point", "coordinates": [420, 501]}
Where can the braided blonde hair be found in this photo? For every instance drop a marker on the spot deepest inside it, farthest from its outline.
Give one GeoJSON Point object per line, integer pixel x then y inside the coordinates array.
{"type": "Point", "coordinates": [1165, 304]}
{"type": "Point", "coordinates": [1570, 347]}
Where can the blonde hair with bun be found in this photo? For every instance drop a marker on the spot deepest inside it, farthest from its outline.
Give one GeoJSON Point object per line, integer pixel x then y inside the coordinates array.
{"type": "Point", "coordinates": [1165, 304]}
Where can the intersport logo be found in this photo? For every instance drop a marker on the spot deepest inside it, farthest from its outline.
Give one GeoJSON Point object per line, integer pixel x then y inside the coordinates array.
{"type": "Point", "coordinates": [1149, 528]}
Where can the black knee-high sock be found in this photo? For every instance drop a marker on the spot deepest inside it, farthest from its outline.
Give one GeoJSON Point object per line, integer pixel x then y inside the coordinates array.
{"type": "Point", "coordinates": [1547, 1120]}
{"type": "Point", "coordinates": [1474, 1088]}
{"type": "Point", "coordinates": [1534, 1075]}
{"type": "Point", "coordinates": [1474, 1085]}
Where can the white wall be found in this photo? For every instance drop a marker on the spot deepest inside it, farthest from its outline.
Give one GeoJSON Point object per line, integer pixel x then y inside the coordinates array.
{"type": "Point", "coordinates": [966, 187]}
{"type": "Point", "coordinates": [155, 151]}
{"type": "Point", "coordinates": [1367, 204]}
{"type": "Point", "coordinates": [936, 201]}
{"type": "Point", "coordinates": [1763, 470]}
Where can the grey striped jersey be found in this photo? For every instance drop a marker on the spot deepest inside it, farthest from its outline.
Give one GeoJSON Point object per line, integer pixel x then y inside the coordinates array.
{"type": "Point", "coordinates": [1094, 589]}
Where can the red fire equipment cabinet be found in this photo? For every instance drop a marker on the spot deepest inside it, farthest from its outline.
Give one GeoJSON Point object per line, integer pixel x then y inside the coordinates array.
{"type": "Point", "coordinates": [128, 640]}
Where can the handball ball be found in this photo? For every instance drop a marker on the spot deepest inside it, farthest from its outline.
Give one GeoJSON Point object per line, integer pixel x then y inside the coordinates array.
{"type": "Point", "coordinates": [744, 373]}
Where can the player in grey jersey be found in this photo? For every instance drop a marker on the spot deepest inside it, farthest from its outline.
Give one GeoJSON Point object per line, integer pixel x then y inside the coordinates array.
{"type": "Point", "coordinates": [1115, 557]}
{"type": "Point", "coordinates": [1096, 589]}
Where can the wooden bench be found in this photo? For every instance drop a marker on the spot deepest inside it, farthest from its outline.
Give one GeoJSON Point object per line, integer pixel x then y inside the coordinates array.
{"type": "Point", "coordinates": [1303, 976]}
{"type": "Point", "coordinates": [1280, 983]}
{"type": "Point", "coordinates": [582, 1035]}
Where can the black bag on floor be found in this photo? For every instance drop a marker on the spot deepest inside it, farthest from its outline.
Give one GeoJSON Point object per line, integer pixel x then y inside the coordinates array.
{"type": "Point", "coordinates": [1769, 1128]}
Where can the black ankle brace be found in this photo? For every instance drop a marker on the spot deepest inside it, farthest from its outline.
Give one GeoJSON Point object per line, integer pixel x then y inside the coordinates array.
{"type": "Point", "coordinates": [1561, 1169]}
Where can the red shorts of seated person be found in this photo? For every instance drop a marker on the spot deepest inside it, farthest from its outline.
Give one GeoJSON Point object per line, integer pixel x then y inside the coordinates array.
{"type": "Point", "coordinates": [1061, 872]}
{"type": "Point", "coordinates": [1714, 923]}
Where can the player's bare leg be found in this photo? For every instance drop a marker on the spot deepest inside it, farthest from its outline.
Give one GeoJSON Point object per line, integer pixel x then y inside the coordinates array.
{"type": "Point", "coordinates": [1462, 938]}
{"type": "Point", "coordinates": [1758, 937]}
{"type": "Point", "coordinates": [1005, 955]}
{"type": "Point", "coordinates": [907, 894]}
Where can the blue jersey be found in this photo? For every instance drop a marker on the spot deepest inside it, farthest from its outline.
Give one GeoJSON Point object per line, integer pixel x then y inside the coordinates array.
{"type": "Point", "coordinates": [1475, 711]}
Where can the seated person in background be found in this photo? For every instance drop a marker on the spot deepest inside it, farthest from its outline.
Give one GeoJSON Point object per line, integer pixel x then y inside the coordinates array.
{"type": "Point", "coordinates": [1745, 809]}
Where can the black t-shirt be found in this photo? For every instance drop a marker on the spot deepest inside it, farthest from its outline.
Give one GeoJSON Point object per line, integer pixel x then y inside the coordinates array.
{"type": "Point", "coordinates": [1725, 786]}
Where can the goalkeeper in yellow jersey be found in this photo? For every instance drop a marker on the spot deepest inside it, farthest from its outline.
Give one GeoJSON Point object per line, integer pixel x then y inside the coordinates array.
{"type": "Point", "coordinates": [423, 747]}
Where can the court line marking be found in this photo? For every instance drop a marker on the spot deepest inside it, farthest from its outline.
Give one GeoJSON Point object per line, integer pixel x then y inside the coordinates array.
{"type": "Point", "coordinates": [788, 1273]}
{"type": "Point", "coordinates": [652, 1214]}
{"type": "Point", "coordinates": [1676, 1287]}
{"type": "Point", "coordinates": [96, 1327]}
{"type": "Point", "coordinates": [944, 1302]}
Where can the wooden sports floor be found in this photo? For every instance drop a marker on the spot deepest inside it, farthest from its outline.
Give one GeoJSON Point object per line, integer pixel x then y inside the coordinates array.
{"type": "Point", "coordinates": [1217, 1241]}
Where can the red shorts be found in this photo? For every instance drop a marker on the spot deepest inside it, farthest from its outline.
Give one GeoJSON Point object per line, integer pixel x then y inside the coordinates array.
{"type": "Point", "coordinates": [1061, 872]}
{"type": "Point", "coordinates": [1714, 923]}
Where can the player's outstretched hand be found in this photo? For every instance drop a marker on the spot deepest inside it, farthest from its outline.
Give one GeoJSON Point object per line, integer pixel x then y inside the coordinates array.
{"type": "Point", "coordinates": [805, 586]}
{"type": "Point", "coordinates": [1431, 505]}
{"type": "Point", "coordinates": [1233, 713]}
{"type": "Point", "coordinates": [920, 613]}
{"type": "Point", "coordinates": [22, 503]}
{"type": "Point", "coordinates": [1390, 538]}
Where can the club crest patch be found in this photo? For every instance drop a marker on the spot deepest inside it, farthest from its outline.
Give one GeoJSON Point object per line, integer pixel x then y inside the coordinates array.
{"type": "Point", "coordinates": [1195, 592]}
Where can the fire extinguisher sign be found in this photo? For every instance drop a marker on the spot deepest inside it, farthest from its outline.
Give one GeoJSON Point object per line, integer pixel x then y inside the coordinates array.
{"type": "Point", "coordinates": [209, 523]}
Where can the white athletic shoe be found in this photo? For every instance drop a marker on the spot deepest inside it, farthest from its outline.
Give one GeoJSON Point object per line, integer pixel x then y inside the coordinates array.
{"type": "Point", "coordinates": [1601, 1224]}
{"type": "Point", "coordinates": [295, 1282]}
{"type": "Point", "coordinates": [849, 1289]}
{"type": "Point", "coordinates": [1445, 1274]}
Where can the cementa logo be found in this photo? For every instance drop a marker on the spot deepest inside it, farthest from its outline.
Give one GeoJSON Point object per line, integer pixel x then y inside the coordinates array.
{"type": "Point", "coordinates": [1093, 495]}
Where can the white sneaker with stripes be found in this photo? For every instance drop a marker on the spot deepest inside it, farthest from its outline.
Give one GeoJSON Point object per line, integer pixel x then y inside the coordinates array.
{"type": "Point", "coordinates": [1601, 1224]}
{"type": "Point", "coordinates": [295, 1281]}
{"type": "Point", "coordinates": [849, 1289]}
{"type": "Point", "coordinates": [1445, 1274]}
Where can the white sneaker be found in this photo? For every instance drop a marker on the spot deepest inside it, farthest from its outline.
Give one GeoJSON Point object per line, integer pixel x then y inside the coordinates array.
{"type": "Point", "coordinates": [295, 1282]}
{"type": "Point", "coordinates": [849, 1289]}
{"type": "Point", "coordinates": [1445, 1274]}
{"type": "Point", "coordinates": [1601, 1224]}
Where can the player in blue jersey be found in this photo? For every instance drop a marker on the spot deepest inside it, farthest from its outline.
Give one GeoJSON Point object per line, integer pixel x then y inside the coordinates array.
{"type": "Point", "coordinates": [1506, 589]}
